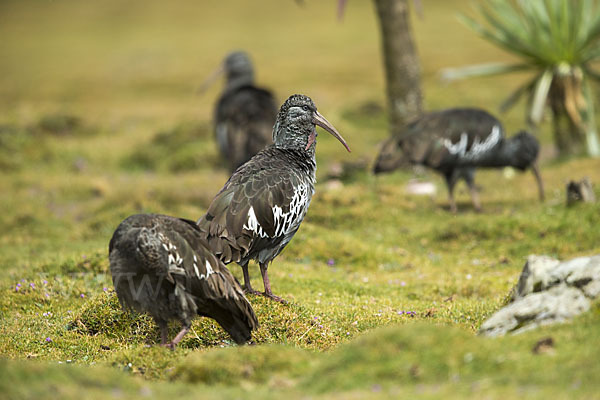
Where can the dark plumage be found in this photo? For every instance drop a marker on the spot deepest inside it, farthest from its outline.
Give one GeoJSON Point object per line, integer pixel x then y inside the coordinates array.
{"type": "Point", "coordinates": [162, 266]}
{"type": "Point", "coordinates": [261, 206]}
{"type": "Point", "coordinates": [245, 114]}
{"type": "Point", "coordinates": [456, 141]}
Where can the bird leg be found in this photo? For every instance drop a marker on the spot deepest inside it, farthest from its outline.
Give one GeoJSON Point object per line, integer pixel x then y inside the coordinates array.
{"type": "Point", "coordinates": [164, 333]}
{"type": "Point", "coordinates": [247, 286]}
{"type": "Point", "coordinates": [470, 179]}
{"type": "Point", "coordinates": [451, 201]}
{"type": "Point", "coordinates": [475, 198]}
{"type": "Point", "coordinates": [450, 182]}
{"type": "Point", "coordinates": [267, 284]}
{"type": "Point", "coordinates": [177, 339]}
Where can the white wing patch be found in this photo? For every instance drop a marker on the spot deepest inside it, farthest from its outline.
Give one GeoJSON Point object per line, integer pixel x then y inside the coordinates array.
{"type": "Point", "coordinates": [285, 222]}
{"type": "Point", "coordinates": [174, 259]}
{"type": "Point", "coordinates": [253, 225]}
{"type": "Point", "coordinates": [176, 262]}
{"type": "Point", "coordinates": [209, 271]}
{"type": "Point", "coordinates": [477, 148]}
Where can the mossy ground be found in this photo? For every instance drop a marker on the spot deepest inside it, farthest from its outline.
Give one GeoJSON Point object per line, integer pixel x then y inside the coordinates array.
{"type": "Point", "coordinates": [98, 121]}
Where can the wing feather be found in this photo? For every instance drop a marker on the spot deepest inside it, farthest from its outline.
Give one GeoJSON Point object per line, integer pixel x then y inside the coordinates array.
{"type": "Point", "coordinates": [245, 207]}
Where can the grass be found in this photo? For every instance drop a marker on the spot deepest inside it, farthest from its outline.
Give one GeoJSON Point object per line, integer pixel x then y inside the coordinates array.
{"type": "Point", "coordinates": [98, 121]}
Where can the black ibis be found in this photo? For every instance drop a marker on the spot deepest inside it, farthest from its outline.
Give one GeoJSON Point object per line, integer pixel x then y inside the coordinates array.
{"type": "Point", "coordinates": [244, 114]}
{"type": "Point", "coordinates": [161, 265]}
{"type": "Point", "coordinates": [261, 206]}
{"type": "Point", "coordinates": [455, 142]}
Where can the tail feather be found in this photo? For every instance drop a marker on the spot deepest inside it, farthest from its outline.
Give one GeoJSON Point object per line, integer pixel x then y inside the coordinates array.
{"type": "Point", "coordinates": [236, 317]}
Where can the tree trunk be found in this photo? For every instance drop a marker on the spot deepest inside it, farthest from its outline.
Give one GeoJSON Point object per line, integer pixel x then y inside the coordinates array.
{"type": "Point", "coordinates": [569, 136]}
{"type": "Point", "coordinates": [402, 70]}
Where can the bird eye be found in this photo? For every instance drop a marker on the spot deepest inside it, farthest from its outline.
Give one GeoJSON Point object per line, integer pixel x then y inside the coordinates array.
{"type": "Point", "coordinates": [305, 108]}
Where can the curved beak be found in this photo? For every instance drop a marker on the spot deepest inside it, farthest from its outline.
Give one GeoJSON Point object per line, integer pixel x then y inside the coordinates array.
{"type": "Point", "coordinates": [206, 83]}
{"type": "Point", "coordinates": [538, 178]}
{"type": "Point", "coordinates": [320, 120]}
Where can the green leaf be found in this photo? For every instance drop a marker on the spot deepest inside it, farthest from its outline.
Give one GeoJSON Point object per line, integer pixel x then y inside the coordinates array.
{"type": "Point", "coordinates": [591, 134]}
{"type": "Point", "coordinates": [518, 93]}
{"type": "Point", "coordinates": [591, 73]}
{"type": "Point", "coordinates": [540, 96]}
{"type": "Point", "coordinates": [451, 74]}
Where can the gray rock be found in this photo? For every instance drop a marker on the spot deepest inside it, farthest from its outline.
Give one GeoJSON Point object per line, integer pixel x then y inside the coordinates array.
{"type": "Point", "coordinates": [548, 291]}
{"type": "Point", "coordinates": [580, 191]}
{"type": "Point", "coordinates": [535, 275]}
{"type": "Point", "coordinates": [558, 304]}
{"type": "Point", "coordinates": [583, 273]}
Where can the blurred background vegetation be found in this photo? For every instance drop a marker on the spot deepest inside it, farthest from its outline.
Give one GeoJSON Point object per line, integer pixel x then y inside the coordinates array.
{"type": "Point", "coordinates": [99, 119]}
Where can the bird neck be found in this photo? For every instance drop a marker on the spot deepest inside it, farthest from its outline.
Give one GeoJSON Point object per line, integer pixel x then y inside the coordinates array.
{"type": "Point", "coordinates": [293, 137]}
{"type": "Point", "coordinates": [301, 160]}
{"type": "Point", "coordinates": [236, 81]}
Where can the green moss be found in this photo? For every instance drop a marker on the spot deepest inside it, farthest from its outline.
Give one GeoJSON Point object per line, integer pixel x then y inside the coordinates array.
{"type": "Point", "coordinates": [386, 290]}
{"type": "Point", "coordinates": [59, 124]}
{"type": "Point", "coordinates": [103, 315]}
{"type": "Point", "coordinates": [240, 365]}
{"type": "Point", "coordinates": [186, 146]}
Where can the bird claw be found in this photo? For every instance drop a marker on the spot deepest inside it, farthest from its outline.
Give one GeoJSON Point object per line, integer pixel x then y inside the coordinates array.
{"type": "Point", "coordinates": [273, 297]}
{"type": "Point", "coordinates": [169, 345]}
{"type": "Point", "coordinates": [251, 291]}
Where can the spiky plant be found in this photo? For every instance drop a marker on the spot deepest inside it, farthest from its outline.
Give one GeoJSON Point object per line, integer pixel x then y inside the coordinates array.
{"type": "Point", "coordinates": [559, 40]}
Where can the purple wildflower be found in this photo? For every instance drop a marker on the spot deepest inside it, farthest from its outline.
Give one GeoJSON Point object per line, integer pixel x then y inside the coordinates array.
{"type": "Point", "coordinates": [331, 262]}
{"type": "Point", "coordinates": [82, 295]}
{"type": "Point", "coordinates": [402, 283]}
{"type": "Point", "coordinates": [48, 339]}
{"type": "Point", "coordinates": [45, 282]}
{"type": "Point", "coordinates": [22, 280]}
{"type": "Point", "coordinates": [105, 289]}
{"type": "Point", "coordinates": [18, 287]}
{"type": "Point", "coordinates": [32, 285]}
{"type": "Point", "coordinates": [400, 312]}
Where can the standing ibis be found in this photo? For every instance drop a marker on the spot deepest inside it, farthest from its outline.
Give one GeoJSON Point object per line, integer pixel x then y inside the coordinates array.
{"type": "Point", "coordinates": [261, 206]}
{"type": "Point", "coordinates": [455, 142]}
{"type": "Point", "coordinates": [244, 114]}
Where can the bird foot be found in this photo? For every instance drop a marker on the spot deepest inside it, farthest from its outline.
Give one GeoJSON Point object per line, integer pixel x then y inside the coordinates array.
{"type": "Point", "coordinates": [251, 291]}
{"type": "Point", "coordinates": [169, 345]}
{"type": "Point", "coordinates": [273, 297]}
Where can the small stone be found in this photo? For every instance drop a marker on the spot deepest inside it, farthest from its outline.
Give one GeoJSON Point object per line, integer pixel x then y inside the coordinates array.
{"type": "Point", "coordinates": [548, 291]}
{"type": "Point", "coordinates": [545, 345]}
{"type": "Point", "coordinates": [420, 188]}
